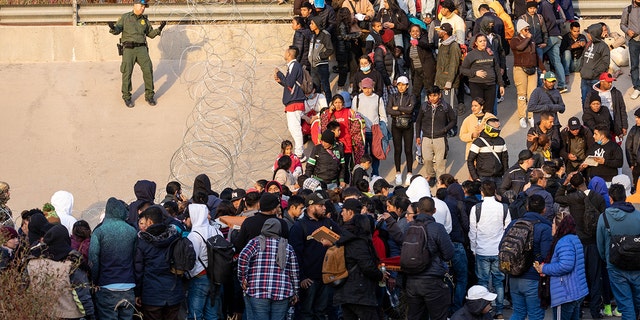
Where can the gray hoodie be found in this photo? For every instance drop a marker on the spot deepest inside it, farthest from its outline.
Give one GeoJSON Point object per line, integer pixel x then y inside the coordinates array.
{"type": "Point", "coordinates": [595, 59]}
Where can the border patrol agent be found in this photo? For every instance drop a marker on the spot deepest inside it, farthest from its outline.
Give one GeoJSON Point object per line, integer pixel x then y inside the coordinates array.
{"type": "Point", "coordinates": [135, 27]}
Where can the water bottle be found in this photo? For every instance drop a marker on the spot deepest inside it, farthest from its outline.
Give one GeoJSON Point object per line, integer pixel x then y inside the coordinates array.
{"type": "Point", "coordinates": [383, 269]}
{"type": "Point", "coordinates": [291, 312]}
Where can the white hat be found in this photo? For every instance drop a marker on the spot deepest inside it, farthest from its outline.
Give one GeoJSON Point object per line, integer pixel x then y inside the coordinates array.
{"type": "Point", "coordinates": [624, 181]}
{"type": "Point", "coordinates": [478, 292]}
{"type": "Point", "coordinates": [521, 24]}
{"type": "Point", "coordinates": [403, 79]}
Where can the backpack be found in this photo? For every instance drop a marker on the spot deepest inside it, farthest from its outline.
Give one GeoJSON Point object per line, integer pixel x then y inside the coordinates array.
{"type": "Point", "coordinates": [373, 52]}
{"type": "Point", "coordinates": [518, 207]}
{"type": "Point", "coordinates": [307, 81]}
{"type": "Point", "coordinates": [220, 254]}
{"type": "Point", "coordinates": [181, 256]}
{"type": "Point", "coordinates": [505, 212]}
{"type": "Point", "coordinates": [624, 250]}
{"type": "Point", "coordinates": [590, 216]}
{"type": "Point", "coordinates": [334, 267]}
{"type": "Point", "coordinates": [516, 248]}
{"type": "Point", "coordinates": [414, 255]}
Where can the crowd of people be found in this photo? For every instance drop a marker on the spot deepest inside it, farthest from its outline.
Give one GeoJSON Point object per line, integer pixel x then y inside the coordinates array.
{"type": "Point", "coordinates": [430, 247]}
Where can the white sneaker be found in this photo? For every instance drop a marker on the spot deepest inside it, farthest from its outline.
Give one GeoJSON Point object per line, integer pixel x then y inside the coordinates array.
{"type": "Point", "coordinates": [398, 179]}
{"type": "Point", "coordinates": [531, 124]}
{"type": "Point", "coordinates": [407, 180]}
{"type": "Point", "coordinates": [523, 123]}
{"type": "Point", "coordinates": [635, 94]}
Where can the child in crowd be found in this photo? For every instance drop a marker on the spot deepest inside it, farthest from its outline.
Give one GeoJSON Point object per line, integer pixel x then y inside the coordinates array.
{"type": "Point", "coordinates": [360, 170]}
{"type": "Point", "coordinates": [286, 148]}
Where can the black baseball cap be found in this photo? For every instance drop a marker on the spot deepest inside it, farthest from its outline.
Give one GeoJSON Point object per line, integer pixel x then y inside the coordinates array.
{"type": "Point", "coordinates": [574, 123]}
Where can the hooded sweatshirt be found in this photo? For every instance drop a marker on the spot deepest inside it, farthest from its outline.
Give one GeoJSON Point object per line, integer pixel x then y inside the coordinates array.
{"type": "Point", "coordinates": [201, 230]}
{"type": "Point", "coordinates": [112, 248]}
{"type": "Point", "coordinates": [613, 159]}
{"type": "Point", "coordinates": [203, 184]}
{"type": "Point", "coordinates": [595, 59]}
{"type": "Point", "coordinates": [38, 226]}
{"type": "Point", "coordinates": [63, 202]}
{"type": "Point", "coordinates": [418, 189]}
{"type": "Point", "coordinates": [623, 218]}
{"type": "Point", "coordinates": [145, 191]}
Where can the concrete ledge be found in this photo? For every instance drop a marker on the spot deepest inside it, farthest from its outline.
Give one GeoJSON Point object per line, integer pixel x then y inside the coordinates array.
{"type": "Point", "coordinates": [178, 42]}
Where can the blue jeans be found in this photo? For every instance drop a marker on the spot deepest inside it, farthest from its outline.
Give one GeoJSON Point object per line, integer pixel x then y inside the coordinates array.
{"type": "Point", "coordinates": [459, 265]}
{"type": "Point", "coordinates": [320, 76]}
{"type": "Point", "coordinates": [586, 85]}
{"type": "Point", "coordinates": [487, 266]}
{"type": "Point", "coordinates": [524, 297]}
{"type": "Point", "coordinates": [570, 63]}
{"type": "Point", "coordinates": [626, 288]}
{"type": "Point", "coordinates": [567, 311]}
{"type": "Point", "coordinates": [634, 60]}
{"type": "Point", "coordinates": [375, 163]}
{"type": "Point", "coordinates": [107, 300]}
{"type": "Point", "coordinates": [266, 309]}
{"type": "Point", "coordinates": [314, 301]}
{"type": "Point", "coordinates": [553, 52]}
{"type": "Point", "coordinates": [199, 300]}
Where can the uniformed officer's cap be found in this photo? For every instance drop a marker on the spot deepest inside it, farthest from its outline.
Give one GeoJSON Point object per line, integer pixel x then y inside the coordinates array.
{"type": "Point", "coordinates": [142, 2]}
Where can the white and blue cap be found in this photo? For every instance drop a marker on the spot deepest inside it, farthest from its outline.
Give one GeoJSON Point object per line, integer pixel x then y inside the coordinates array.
{"type": "Point", "coordinates": [142, 2]}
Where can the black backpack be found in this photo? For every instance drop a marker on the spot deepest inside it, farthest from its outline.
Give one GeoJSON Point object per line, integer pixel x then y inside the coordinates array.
{"type": "Point", "coordinates": [516, 248]}
{"type": "Point", "coordinates": [590, 216]}
{"type": "Point", "coordinates": [624, 250]}
{"type": "Point", "coordinates": [505, 212]}
{"type": "Point", "coordinates": [220, 254]}
{"type": "Point", "coordinates": [414, 255]}
{"type": "Point", "coordinates": [181, 256]}
{"type": "Point", "coordinates": [518, 207]}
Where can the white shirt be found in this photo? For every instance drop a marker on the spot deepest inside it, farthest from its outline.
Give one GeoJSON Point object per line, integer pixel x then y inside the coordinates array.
{"type": "Point", "coordinates": [442, 215]}
{"type": "Point", "coordinates": [485, 235]}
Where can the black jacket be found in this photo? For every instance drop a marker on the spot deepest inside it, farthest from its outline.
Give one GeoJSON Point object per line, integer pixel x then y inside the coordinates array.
{"type": "Point", "coordinates": [310, 253]}
{"type": "Point", "coordinates": [404, 102]}
{"type": "Point", "coordinates": [553, 134]}
{"type": "Point", "coordinates": [472, 310]}
{"type": "Point", "coordinates": [154, 281]}
{"type": "Point", "coordinates": [440, 248]}
{"type": "Point", "coordinates": [593, 119]}
{"type": "Point", "coordinates": [435, 124]}
{"type": "Point", "coordinates": [301, 40]}
{"type": "Point", "coordinates": [619, 107]}
{"type": "Point", "coordinates": [514, 179]}
{"type": "Point", "coordinates": [362, 263]}
{"type": "Point", "coordinates": [252, 226]}
{"type": "Point", "coordinates": [482, 162]}
{"type": "Point", "coordinates": [584, 141]}
{"type": "Point", "coordinates": [574, 199]}
{"type": "Point", "coordinates": [613, 160]}
{"type": "Point", "coordinates": [632, 146]}
{"type": "Point", "coordinates": [325, 166]}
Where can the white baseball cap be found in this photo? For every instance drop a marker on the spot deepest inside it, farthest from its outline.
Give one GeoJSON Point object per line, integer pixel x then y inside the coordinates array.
{"type": "Point", "coordinates": [403, 79]}
{"type": "Point", "coordinates": [479, 292]}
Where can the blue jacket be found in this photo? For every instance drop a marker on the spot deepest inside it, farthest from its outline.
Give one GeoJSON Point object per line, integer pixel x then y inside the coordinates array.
{"type": "Point", "coordinates": [291, 83]}
{"type": "Point", "coordinates": [566, 268]}
{"type": "Point", "coordinates": [623, 219]}
{"type": "Point", "coordinates": [548, 199]}
{"type": "Point", "coordinates": [541, 241]}
{"type": "Point", "coordinates": [440, 248]}
{"type": "Point", "coordinates": [112, 247]}
{"type": "Point", "coordinates": [310, 253]}
{"type": "Point", "coordinates": [154, 281]}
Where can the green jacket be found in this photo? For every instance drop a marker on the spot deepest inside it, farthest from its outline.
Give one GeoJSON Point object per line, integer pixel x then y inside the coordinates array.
{"type": "Point", "coordinates": [134, 28]}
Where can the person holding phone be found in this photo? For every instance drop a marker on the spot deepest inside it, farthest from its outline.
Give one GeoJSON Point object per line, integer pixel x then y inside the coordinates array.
{"type": "Point", "coordinates": [571, 49]}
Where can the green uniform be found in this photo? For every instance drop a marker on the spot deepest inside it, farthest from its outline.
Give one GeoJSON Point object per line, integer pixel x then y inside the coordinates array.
{"type": "Point", "coordinates": [134, 31]}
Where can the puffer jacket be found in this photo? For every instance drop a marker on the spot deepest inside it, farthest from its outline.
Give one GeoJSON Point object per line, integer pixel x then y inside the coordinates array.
{"type": "Point", "coordinates": [301, 40]}
{"type": "Point", "coordinates": [154, 281]}
{"type": "Point", "coordinates": [361, 260]}
{"type": "Point", "coordinates": [567, 271]}
{"type": "Point", "coordinates": [481, 160]}
{"type": "Point", "coordinates": [515, 179]}
{"type": "Point", "coordinates": [384, 62]}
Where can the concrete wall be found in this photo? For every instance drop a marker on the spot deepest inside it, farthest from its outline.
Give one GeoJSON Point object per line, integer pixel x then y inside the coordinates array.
{"type": "Point", "coordinates": [22, 44]}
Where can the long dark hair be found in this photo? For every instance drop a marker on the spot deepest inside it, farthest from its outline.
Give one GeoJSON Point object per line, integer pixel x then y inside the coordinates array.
{"type": "Point", "coordinates": [284, 162]}
{"type": "Point", "coordinates": [344, 16]}
{"type": "Point", "coordinates": [565, 224]}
